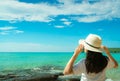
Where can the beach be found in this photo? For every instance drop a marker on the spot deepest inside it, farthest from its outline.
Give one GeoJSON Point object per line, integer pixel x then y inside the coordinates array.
{"type": "Point", "coordinates": [42, 66]}
{"type": "Point", "coordinates": [46, 73]}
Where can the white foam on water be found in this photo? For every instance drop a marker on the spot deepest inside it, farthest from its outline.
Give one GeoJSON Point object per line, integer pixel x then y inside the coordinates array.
{"type": "Point", "coordinates": [108, 80]}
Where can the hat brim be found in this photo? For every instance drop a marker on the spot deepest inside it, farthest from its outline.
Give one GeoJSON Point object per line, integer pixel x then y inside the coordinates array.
{"type": "Point", "coordinates": [88, 47]}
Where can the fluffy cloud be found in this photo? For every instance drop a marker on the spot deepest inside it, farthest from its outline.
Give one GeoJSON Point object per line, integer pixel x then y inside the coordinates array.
{"type": "Point", "coordinates": [63, 19]}
{"type": "Point", "coordinates": [13, 10]}
{"type": "Point", "coordinates": [9, 29]}
{"type": "Point", "coordinates": [18, 31]}
{"type": "Point", "coordinates": [59, 26]}
{"type": "Point", "coordinates": [67, 23]}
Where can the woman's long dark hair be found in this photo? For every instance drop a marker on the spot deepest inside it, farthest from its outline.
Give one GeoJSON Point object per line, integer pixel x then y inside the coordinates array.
{"type": "Point", "coordinates": [95, 62]}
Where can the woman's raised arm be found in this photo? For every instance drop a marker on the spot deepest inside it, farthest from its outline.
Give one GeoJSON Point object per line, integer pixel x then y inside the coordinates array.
{"type": "Point", "coordinates": [69, 67]}
{"type": "Point", "coordinates": [110, 56]}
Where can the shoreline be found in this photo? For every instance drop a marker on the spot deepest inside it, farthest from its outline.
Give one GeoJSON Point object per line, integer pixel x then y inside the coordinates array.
{"type": "Point", "coordinates": [112, 50]}
{"type": "Point", "coordinates": [44, 73]}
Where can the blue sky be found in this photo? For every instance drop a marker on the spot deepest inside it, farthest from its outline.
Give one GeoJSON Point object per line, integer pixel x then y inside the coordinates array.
{"type": "Point", "coordinates": [56, 25]}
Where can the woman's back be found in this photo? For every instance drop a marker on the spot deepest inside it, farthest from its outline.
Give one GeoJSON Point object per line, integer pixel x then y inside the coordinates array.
{"type": "Point", "coordinates": [80, 68]}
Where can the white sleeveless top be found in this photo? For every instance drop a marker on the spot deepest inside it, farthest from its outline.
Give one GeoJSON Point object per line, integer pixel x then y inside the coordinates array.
{"type": "Point", "coordinates": [80, 68]}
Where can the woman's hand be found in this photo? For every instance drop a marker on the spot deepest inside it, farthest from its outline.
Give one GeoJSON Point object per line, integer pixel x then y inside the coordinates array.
{"type": "Point", "coordinates": [78, 49]}
{"type": "Point", "coordinates": [105, 49]}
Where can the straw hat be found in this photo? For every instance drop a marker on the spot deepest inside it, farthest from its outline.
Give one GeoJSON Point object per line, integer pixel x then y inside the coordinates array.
{"type": "Point", "coordinates": [92, 43]}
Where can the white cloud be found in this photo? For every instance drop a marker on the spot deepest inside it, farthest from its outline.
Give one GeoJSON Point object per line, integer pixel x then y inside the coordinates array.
{"type": "Point", "coordinates": [88, 19]}
{"type": "Point", "coordinates": [6, 28]}
{"type": "Point", "coordinates": [23, 11]}
{"type": "Point", "coordinates": [67, 23]}
{"type": "Point", "coordinates": [63, 19]}
{"type": "Point", "coordinates": [9, 30]}
{"type": "Point", "coordinates": [18, 31]}
{"type": "Point", "coordinates": [58, 26]}
{"type": "Point", "coordinates": [13, 10]}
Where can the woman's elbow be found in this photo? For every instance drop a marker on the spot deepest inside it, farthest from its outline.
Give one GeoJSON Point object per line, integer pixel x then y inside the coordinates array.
{"type": "Point", "coordinates": [67, 72]}
{"type": "Point", "coordinates": [116, 65]}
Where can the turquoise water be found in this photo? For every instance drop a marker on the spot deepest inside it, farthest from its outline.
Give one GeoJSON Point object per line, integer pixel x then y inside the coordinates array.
{"type": "Point", "coordinates": [29, 60]}
{"type": "Point", "coordinates": [13, 61]}
{"type": "Point", "coordinates": [17, 60]}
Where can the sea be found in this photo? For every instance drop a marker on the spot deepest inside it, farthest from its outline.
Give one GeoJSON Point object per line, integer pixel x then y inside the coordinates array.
{"type": "Point", "coordinates": [29, 60]}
